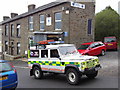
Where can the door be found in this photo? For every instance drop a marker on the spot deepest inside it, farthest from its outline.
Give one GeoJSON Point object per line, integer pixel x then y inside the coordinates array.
{"type": "Point", "coordinates": [55, 62]}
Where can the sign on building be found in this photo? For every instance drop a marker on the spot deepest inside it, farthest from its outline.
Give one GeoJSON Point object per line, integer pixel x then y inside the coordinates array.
{"type": "Point", "coordinates": [48, 21]}
{"type": "Point", "coordinates": [78, 5]}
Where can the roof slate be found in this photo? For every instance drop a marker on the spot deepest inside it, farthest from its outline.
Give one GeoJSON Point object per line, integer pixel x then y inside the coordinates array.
{"type": "Point", "coordinates": [49, 5]}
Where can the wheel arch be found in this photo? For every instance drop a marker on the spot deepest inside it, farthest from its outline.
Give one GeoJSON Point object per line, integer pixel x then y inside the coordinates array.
{"type": "Point", "coordinates": [34, 65]}
{"type": "Point", "coordinates": [71, 66]}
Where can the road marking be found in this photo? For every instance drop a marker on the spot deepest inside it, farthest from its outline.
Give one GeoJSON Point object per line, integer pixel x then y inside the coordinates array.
{"type": "Point", "coordinates": [20, 67]}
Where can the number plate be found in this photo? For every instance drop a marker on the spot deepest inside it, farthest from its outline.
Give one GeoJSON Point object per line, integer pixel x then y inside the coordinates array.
{"type": "Point", "coordinates": [110, 44]}
{"type": "Point", "coordinates": [3, 78]}
{"type": "Point", "coordinates": [97, 68]}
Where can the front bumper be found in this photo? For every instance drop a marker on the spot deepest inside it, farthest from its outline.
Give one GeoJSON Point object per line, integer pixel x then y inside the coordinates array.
{"type": "Point", "coordinates": [93, 69]}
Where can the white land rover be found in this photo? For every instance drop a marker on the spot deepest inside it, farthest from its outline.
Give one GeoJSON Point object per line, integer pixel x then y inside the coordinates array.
{"type": "Point", "coordinates": [63, 59]}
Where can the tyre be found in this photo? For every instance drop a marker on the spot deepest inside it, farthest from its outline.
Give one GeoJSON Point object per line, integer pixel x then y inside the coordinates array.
{"type": "Point", "coordinates": [103, 52]}
{"type": "Point", "coordinates": [92, 75]}
{"type": "Point", "coordinates": [73, 76]}
{"type": "Point", "coordinates": [38, 74]}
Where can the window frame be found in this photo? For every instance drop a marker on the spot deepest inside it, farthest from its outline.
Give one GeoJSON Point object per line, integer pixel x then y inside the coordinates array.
{"type": "Point", "coordinates": [89, 27]}
{"type": "Point", "coordinates": [12, 30]}
{"type": "Point", "coordinates": [57, 53]}
{"type": "Point", "coordinates": [18, 48]}
{"type": "Point", "coordinates": [18, 29]}
{"type": "Point", "coordinates": [6, 46]}
{"type": "Point", "coordinates": [58, 20]}
{"type": "Point", "coordinates": [42, 22]}
{"type": "Point", "coordinates": [46, 53]}
{"type": "Point", "coordinates": [30, 21]}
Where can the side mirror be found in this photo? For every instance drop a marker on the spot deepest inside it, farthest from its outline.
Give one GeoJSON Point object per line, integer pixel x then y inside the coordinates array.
{"type": "Point", "coordinates": [89, 48]}
{"type": "Point", "coordinates": [59, 58]}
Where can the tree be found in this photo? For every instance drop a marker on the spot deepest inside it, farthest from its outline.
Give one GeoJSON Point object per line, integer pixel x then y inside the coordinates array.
{"type": "Point", "coordinates": [106, 23]}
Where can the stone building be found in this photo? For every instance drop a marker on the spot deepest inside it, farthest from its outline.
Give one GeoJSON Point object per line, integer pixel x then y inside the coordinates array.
{"type": "Point", "coordinates": [71, 22]}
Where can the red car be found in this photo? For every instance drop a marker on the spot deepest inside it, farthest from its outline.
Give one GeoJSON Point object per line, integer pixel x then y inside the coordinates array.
{"type": "Point", "coordinates": [92, 48]}
{"type": "Point", "coordinates": [110, 42]}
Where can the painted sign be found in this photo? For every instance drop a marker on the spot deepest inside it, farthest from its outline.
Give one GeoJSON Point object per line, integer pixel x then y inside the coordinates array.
{"type": "Point", "coordinates": [78, 5]}
{"type": "Point", "coordinates": [34, 53]}
{"type": "Point", "coordinates": [48, 21]}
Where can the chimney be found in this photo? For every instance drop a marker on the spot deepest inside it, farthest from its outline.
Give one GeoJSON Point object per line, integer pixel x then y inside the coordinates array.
{"type": "Point", "coordinates": [13, 15]}
{"type": "Point", "coordinates": [6, 18]}
{"type": "Point", "coordinates": [31, 7]}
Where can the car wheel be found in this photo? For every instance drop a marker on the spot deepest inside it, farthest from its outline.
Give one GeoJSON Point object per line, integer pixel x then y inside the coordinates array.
{"type": "Point", "coordinates": [92, 75]}
{"type": "Point", "coordinates": [103, 52]}
{"type": "Point", "coordinates": [73, 76]}
{"type": "Point", "coordinates": [38, 74]}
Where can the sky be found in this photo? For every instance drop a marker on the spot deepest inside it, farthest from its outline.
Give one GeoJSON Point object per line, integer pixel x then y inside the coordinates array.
{"type": "Point", "coordinates": [21, 6]}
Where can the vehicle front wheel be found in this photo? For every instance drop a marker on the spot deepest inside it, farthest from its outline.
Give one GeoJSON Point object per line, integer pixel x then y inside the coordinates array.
{"type": "Point", "coordinates": [92, 75]}
{"type": "Point", "coordinates": [38, 74]}
{"type": "Point", "coordinates": [103, 52]}
{"type": "Point", "coordinates": [73, 76]}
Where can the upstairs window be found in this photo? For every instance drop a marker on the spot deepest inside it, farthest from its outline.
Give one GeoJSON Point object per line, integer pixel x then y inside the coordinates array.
{"type": "Point", "coordinates": [12, 30]}
{"type": "Point", "coordinates": [18, 30]}
{"type": "Point", "coordinates": [90, 26]}
{"type": "Point", "coordinates": [42, 22]}
{"type": "Point", "coordinates": [31, 23]}
{"type": "Point", "coordinates": [58, 21]}
{"type": "Point", "coordinates": [6, 30]}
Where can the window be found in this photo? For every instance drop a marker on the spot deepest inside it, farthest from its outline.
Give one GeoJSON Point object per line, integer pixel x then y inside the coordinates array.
{"type": "Point", "coordinates": [12, 30]}
{"type": "Point", "coordinates": [44, 53]}
{"type": "Point", "coordinates": [18, 30]}
{"type": "Point", "coordinates": [18, 48]}
{"type": "Point", "coordinates": [90, 26]}
{"type": "Point", "coordinates": [6, 45]}
{"type": "Point", "coordinates": [54, 53]}
{"type": "Point", "coordinates": [6, 30]}
{"type": "Point", "coordinates": [58, 21]}
{"type": "Point", "coordinates": [31, 23]}
{"type": "Point", "coordinates": [42, 22]}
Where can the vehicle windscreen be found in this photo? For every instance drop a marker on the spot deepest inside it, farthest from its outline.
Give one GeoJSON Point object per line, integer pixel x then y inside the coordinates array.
{"type": "Point", "coordinates": [83, 47]}
{"type": "Point", "coordinates": [4, 67]}
{"type": "Point", "coordinates": [110, 40]}
{"type": "Point", "coordinates": [65, 50]}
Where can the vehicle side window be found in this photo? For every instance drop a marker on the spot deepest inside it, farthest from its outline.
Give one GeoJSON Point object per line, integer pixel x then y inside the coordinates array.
{"type": "Point", "coordinates": [54, 53]}
{"type": "Point", "coordinates": [44, 53]}
{"type": "Point", "coordinates": [97, 44]}
{"type": "Point", "coordinates": [92, 45]}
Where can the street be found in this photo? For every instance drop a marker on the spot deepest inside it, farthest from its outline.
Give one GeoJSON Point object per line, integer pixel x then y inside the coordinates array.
{"type": "Point", "coordinates": [107, 77]}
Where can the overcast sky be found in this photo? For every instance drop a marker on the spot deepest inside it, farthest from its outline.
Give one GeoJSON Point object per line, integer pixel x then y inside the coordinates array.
{"type": "Point", "coordinates": [20, 6]}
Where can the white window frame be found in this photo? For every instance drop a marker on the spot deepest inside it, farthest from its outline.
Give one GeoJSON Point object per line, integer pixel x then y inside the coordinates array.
{"type": "Point", "coordinates": [18, 30]}
{"type": "Point", "coordinates": [12, 30]}
{"type": "Point", "coordinates": [18, 48]}
{"type": "Point", "coordinates": [42, 22]}
{"type": "Point", "coordinates": [31, 23]}
{"type": "Point", "coordinates": [58, 21]}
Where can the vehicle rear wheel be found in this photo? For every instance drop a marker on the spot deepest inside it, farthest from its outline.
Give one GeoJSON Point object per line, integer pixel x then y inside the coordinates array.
{"type": "Point", "coordinates": [92, 75]}
{"type": "Point", "coordinates": [73, 76]}
{"type": "Point", "coordinates": [103, 52]}
{"type": "Point", "coordinates": [38, 74]}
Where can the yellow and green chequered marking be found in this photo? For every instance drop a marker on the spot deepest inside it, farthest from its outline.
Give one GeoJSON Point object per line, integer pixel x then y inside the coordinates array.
{"type": "Point", "coordinates": [53, 63]}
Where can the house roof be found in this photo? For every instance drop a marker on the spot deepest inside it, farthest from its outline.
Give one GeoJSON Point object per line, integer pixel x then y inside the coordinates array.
{"type": "Point", "coordinates": [49, 5]}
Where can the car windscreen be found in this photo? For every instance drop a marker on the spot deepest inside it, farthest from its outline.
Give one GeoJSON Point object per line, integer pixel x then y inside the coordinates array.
{"type": "Point", "coordinates": [65, 50]}
{"type": "Point", "coordinates": [110, 40]}
{"type": "Point", "coordinates": [83, 47]}
{"type": "Point", "coordinates": [4, 67]}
